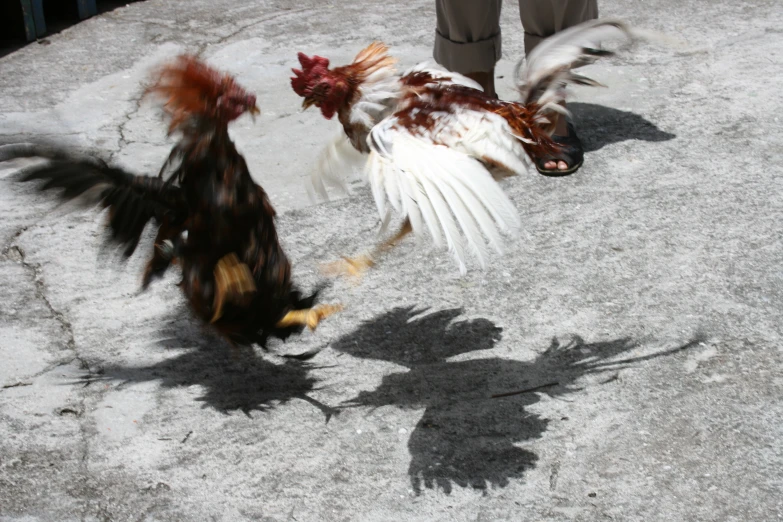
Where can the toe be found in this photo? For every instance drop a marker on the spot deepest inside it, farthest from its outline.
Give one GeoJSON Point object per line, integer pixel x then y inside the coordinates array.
{"type": "Point", "coordinates": [562, 165]}
{"type": "Point", "coordinates": [550, 165]}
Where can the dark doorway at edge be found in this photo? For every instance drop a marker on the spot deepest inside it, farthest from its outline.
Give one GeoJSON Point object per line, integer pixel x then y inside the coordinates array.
{"type": "Point", "coordinates": [58, 15]}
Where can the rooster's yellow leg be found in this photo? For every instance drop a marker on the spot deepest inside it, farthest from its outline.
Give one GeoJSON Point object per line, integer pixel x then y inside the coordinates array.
{"type": "Point", "coordinates": [233, 283]}
{"type": "Point", "coordinates": [309, 316]}
{"type": "Point", "coordinates": [356, 266]}
{"type": "Point", "coordinates": [392, 242]}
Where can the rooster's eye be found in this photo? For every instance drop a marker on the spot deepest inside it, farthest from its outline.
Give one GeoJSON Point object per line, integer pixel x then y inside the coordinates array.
{"type": "Point", "coordinates": [320, 90]}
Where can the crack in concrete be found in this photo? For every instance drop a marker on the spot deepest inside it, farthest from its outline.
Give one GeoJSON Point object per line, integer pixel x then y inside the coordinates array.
{"type": "Point", "coordinates": [124, 141]}
{"type": "Point", "coordinates": [275, 16]}
{"type": "Point", "coordinates": [40, 291]}
{"type": "Point", "coordinates": [211, 37]}
{"type": "Point", "coordinates": [116, 18]}
{"type": "Point", "coordinates": [35, 269]}
{"type": "Point", "coordinates": [9, 250]}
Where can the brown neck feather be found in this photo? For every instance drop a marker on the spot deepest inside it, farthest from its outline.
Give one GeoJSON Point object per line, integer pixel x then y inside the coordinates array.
{"type": "Point", "coordinates": [369, 60]}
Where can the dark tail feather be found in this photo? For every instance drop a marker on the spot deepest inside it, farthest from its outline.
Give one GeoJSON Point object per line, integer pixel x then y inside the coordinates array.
{"type": "Point", "coordinates": [549, 67]}
{"type": "Point", "coordinates": [47, 150]}
{"type": "Point", "coordinates": [133, 201]}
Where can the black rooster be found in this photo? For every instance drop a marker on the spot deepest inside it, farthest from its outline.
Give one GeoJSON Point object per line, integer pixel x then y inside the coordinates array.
{"type": "Point", "coordinates": [212, 218]}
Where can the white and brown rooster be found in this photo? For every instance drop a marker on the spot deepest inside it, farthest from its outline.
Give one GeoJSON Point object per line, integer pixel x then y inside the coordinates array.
{"type": "Point", "coordinates": [436, 143]}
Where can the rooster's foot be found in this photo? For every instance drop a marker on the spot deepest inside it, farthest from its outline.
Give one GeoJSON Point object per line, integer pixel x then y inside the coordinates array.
{"type": "Point", "coordinates": [347, 266]}
{"type": "Point", "coordinates": [309, 316]}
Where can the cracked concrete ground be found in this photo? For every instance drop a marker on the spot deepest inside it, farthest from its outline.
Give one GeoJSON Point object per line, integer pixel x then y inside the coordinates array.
{"type": "Point", "coordinates": [643, 302]}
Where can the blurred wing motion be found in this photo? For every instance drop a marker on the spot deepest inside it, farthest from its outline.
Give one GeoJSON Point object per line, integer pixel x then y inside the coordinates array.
{"type": "Point", "coordinates": [338, 163]}
{"type": "Point", "coordinates": [542, 77]}
{"type": "Point", "coordinates": [132, 200]}
{"type": "Point", "coordinates": [443, 186]}
{"type": "Point", "coordinates": [437, 144]}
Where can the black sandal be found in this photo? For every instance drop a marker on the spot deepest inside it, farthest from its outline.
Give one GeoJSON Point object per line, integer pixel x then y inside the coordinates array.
{"type": "Point", "coordinates": [571, 152]}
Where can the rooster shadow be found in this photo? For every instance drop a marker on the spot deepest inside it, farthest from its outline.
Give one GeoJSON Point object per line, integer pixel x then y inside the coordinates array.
{"type": "Point", "coordinates": [600, 126]}
{"type": "Point", "coordinates": [467, 437]}
{"type": "Point", "coordinates": [231, 379]}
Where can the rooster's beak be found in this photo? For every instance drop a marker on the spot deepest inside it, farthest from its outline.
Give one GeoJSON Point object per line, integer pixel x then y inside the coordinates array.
{"type": "Point", "coordinates": [307, 103]}
{"type": "Point", "coordinates": [254, 111]}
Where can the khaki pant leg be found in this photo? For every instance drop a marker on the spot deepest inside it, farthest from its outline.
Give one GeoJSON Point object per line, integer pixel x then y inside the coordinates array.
{"type": "Point", "coordinates": [543, 18]}
{"type": "Point", "coordinates": [467, 38]}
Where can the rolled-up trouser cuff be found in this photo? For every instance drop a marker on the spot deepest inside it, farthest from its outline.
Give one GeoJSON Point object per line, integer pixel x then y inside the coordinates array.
{"type": "Point", "coordinates": [467, 57]}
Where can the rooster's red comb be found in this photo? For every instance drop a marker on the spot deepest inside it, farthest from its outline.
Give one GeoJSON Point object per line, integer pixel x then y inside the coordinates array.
{"type": "Point", "coordinates": [313, 69]}
{"type": "Point", "coordinates": [188, 86]}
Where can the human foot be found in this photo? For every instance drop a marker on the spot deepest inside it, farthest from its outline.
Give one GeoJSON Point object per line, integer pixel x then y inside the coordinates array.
{"type": "Point", "coordinates": [570, 155]}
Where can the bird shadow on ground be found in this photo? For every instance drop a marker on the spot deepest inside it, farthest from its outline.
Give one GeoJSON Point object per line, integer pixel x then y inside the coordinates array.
{"type": "Point", "coordinates": [467, 437]}
{"type": "Point", "coordinates": [231, 379]}
{"type": "Point", "coordinates": [600, 126]}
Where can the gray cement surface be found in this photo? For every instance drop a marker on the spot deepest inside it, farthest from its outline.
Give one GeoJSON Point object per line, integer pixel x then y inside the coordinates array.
{"type": "Point", "coordinates": [646, 293]}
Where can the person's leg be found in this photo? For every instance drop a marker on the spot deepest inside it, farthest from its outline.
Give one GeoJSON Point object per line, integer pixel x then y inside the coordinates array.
{"type": "Point", "coordinates": [543, 18]}
{"type": "Point", "coordinates": [467, 38]}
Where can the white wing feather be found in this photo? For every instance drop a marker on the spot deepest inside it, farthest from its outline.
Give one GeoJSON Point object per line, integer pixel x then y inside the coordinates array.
{"type": "Point", "coordinates": [484, 135]}
{"type": "Point", "coordinates": [338, 163]}
{"type": "Point", "coordinates": [442, 187]}
{"type": "Point", "coordinates": [461, 211]}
